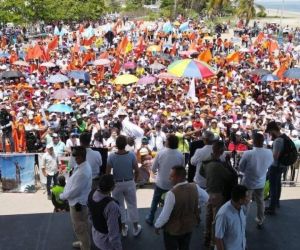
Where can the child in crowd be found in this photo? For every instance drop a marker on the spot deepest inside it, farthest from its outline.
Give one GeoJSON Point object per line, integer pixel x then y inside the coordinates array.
{"type": "Point", "coordinates": [56, 190]}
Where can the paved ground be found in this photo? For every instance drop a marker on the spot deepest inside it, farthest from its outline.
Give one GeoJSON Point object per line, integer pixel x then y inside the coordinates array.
{"type": "Point", "coordinates": [27, 222]}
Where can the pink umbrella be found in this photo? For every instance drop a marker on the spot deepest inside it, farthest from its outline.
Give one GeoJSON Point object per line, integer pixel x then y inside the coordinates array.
{"type": "Point", "coordinates": [188, 52]}
{"type": "Point", "coordinates": [63, 94]}
{"type": "Point", "coordinates": [101, 62]}
{"type": "Point", "coordinates": [129, 65]}
{"type": "Point", "coordinates": [166, 75]}
{"type": "Point", "coordinates": [147, 80]}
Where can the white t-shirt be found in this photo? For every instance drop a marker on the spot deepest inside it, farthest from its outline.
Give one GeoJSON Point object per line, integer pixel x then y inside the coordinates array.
{"type": "Point", "coordinates": [50, 163]}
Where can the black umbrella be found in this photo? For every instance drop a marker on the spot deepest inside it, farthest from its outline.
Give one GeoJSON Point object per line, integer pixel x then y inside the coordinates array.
{"type": "Point", "coordinates": [260, 72]}
{"type": "Point", "coordinates": [11, 74]}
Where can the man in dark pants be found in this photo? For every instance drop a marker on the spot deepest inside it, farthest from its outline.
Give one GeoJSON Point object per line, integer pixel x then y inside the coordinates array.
{"type": "Point", "coordinates": [192, 168]}
{"type": "Point", "coordinates": [163, 163]}
{"type": "Point", "coordinates": [276, 169]}
{"type": "Point", "coordinates": [181, 212]}
{"type": "Point", "coordinates": [6, 127]}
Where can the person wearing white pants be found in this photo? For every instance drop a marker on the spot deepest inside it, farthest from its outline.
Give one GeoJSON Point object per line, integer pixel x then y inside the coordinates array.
{"type": "Point", "coordinates": [125, 171]}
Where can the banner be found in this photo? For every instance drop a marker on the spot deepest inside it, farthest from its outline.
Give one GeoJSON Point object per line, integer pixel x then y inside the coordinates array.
{"type": "Point", "coordinates": [17, 172]}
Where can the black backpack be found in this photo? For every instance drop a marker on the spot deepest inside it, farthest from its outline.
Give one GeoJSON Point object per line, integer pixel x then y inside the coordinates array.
{"type": "Point", "coordinates": [289, 154]}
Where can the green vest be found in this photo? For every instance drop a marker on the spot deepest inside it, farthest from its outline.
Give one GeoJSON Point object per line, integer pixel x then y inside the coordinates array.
{"type": "Point", "coordinates": [57, 190]}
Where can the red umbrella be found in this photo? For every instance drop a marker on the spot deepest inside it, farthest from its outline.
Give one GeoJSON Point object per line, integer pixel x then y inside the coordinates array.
{"type": "Point", "coordinates": [63, 94]}
{"type": "Point", "coordinates": [147, 80]}
{"type": "Point", "coordinates": [129, 65]}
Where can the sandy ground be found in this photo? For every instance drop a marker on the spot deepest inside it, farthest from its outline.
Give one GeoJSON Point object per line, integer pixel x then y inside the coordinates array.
{"type": "Point", "coordinates": [289, 18]}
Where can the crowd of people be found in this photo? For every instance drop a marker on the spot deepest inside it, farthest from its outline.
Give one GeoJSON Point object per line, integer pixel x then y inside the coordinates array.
{"type": "Point", "coordinates": [110, 85]}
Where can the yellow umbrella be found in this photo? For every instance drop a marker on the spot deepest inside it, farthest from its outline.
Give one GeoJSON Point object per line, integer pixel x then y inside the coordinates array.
{"type": "Point", "coordinates": [125, 79]}
{"type": "Point", "coordinates": [154, 48]}
{"type": "Point", "coordinates": [176, 23]}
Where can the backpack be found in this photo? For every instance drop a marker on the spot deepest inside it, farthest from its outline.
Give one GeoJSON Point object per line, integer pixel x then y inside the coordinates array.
{"type": "Point", "coordinates": [289, 154]}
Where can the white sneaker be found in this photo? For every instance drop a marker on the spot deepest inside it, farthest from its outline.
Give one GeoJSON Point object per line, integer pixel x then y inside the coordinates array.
{"type": "Point", "coordinates": [76, 244]}
{"type": "Point", "coordinates": [125, 231]}
{"type": "Point", "coordinates": [137, 231]}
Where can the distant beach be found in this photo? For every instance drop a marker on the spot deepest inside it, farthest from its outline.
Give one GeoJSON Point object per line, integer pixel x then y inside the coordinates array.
{"type": "Point", "coordinates": [291, 18]}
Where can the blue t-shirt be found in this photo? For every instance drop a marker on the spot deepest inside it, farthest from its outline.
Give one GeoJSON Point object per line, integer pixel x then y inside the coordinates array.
{"type": "Point", "coordinates": [122, 165]}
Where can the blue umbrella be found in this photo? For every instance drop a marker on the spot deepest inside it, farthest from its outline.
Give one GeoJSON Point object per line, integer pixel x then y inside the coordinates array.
{"type": "Point", "coordinates": [269, 78]}
{"type": "Point", "coordinates": [5, 54]}
{"type": "Point", "coordinates": [184, 27]}
{"type": "Point", "coordinates": [293, 73]}
{"type": "Point", "coordinates": [57, 78]}
{"type": "Point", "coordinates": [168, 28]}
{"type": "Point", "coordinates": [60, 108]}
{"type": "Point", "coordinates": [79, 74]}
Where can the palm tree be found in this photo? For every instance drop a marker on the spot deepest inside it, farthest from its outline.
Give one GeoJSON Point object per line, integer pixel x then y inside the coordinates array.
{"type": "Point", "coordinates": [215, 6]}
{"type": "Point", "coordinates": [246, 10]}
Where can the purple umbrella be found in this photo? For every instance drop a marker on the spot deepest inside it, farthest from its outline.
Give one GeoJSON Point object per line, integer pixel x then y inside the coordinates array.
{"type": "Point", "coordinates": [147, 80]}
{"type": "Point", "coordinates": [129, 65]}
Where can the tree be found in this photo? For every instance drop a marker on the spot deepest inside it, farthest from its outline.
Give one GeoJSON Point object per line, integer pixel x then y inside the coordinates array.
{"type": "Point", "coordinates": [246, 10]}
{"type": "Point", "coordinates": [216, 6]}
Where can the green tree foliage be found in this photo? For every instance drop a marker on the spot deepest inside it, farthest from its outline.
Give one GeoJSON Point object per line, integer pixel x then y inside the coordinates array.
{"type": "Point", "coordinates": [27, 11]}
{"type": "Point", "coordinates": [246, 10]}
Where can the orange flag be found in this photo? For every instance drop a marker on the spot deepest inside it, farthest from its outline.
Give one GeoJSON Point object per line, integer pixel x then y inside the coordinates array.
{"type": "Point", "coordinates": [88, 42]}
{"type": "Point", "coordinates": [13, 57]}
{"type": "Point", "coordinates": [173, 50]}
{"type": "Point", "coordinates": [53, 44]}
{"type": "Point", "coordinates": [205, 56]}
{"type": "Point", "coordinates": [272, 46]}
{"type": "Point", "coordinates": [122, 46]}
{"type": "Point", "coordinates": [117, 67]}
{"type": "Point", "coordinates": [233, 57]}
{"type": "Point", "coordinates": [281, 71]}
{"type": "Point", "coordinates": [259, 38]}
{"type": "Point", "coordinates": [192, 46]}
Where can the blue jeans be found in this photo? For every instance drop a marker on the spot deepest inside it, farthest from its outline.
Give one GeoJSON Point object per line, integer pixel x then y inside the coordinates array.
{"type": "Point", "coordinates": [49, 179]}
{"type": "Point", "coordinates": [275, 186]}
{"type": "Point", "coordinates": [158, 192]}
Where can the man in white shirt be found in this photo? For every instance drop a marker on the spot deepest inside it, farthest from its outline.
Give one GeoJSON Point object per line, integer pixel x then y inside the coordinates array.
{"type": "Point", "coordinates": [254, 164]}
{"type": "Point", "coordinates": [181, 212]}
{"type": "Point", "coordinates": [76, 192]}
{"type": "Point", "coordinates": [163, 163]}
{"type": "Point", "coordinates": [92, 157]}
{"type": "Point", "coordinates": [203, 154]}
{"type": "Point", "coordinates": [50, 167]}
{"type": "Point", "coordinates": [230, 226]}
{"type": "Point", "coordinates": [73, 141]}
{"type": "Point", "coordinates": [157, 138]}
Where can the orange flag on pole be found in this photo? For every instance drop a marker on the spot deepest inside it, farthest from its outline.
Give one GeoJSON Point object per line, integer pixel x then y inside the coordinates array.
{"type": "Point", "coordinates": [281, 71]}
{"type": "Point", "coordinates": [233, 57]}
{"type": "Point", "coordinates": [272, 46]}
{"type": "Point", "coordinates": [53, 44]}
{"type": "Point", "coordinates": [122, 46]}
{"type": "Point", "coordinates": [205, 56]}
{"type": "Point", "coordinates": [117, 67]}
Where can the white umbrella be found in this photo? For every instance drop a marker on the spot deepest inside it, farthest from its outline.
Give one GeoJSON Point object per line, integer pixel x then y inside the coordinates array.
{"type": "Point", "coordinates": [48, 64]}
{"type": "Point", "coordinates": [21, 63]}
{"type": "Point", "coordinates": [101, 62]}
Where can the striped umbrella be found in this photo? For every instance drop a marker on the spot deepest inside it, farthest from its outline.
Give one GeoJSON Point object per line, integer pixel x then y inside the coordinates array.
{"type": "Point", "coordinates": [191, 68]}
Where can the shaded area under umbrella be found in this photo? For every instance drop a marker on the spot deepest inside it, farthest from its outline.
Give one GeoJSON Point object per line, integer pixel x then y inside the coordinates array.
{"type": "Point", "coordinates": [147, 80]}
{"type": "Point", "coordinates": [57, 78]}
{"type": "Point", "coordinates": [293, 73]}
{"type": "Point", "coordinates": [60, 108]}
{"type": "Point", "coordinates": [260, 72]}
{"type": "Point", "coordinates": [63, 94]}
{"type": "Point", "coordinates": [269, 78]}
{"type": "Point", "coordinates": [80, 75]}
{"type": "Point", "coordinates": [11, 74]}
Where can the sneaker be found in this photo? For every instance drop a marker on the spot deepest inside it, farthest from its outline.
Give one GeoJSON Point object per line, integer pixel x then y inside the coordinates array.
{"type": "Point", "coordinates": [125, 231]}
{"type": "Point", "coordinates": [137, 231]}
{"type": "Point", "coordinates": [76, 244]}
